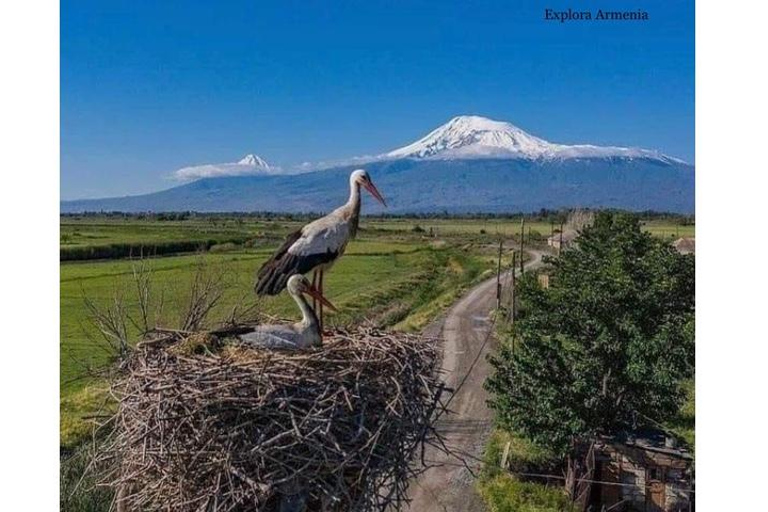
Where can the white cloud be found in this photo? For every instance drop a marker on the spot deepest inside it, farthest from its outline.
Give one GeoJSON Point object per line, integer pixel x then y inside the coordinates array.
{"type": "Point", "coordinates": [249, 165]}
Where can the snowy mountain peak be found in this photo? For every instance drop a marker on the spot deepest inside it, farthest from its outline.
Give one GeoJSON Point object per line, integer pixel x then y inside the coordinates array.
{"type": "Point", "coordinates": [254, 161]}
{"type": "Point", "coordinates": [474, 136]}
{"type": "Point", "coordinates": [470, 137]}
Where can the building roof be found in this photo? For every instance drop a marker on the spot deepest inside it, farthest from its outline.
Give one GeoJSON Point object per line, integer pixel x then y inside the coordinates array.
{"type": "Point", "coordinates": [568, 236]}
{"type": "Point", "coordinates": [685, 245]}
{"type": "Point", "coordinates": [652, 440]}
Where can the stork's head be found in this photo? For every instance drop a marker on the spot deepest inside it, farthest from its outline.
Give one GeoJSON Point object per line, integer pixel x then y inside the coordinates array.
{"type": "Point", "coordinates": [361, 178]}
{"type": "Point", "coordinates": [298, 284]}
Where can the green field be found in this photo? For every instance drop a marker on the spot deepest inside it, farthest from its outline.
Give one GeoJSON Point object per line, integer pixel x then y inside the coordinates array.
{"type": "Point", "coordinates": [78, 231]}
{"type": "Point", "coordinates": [388, 280]}
{"type": "Point", "coordinates": [100, 231]}
{"type": "Point", "coordinates": [369, 272]}
{"type": "Point", "coordinates": [510, 227]}
{"type": "Point", "coordinates": [397, 274]}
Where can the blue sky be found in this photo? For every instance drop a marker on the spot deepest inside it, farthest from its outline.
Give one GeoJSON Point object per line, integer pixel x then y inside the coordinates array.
{"type": "Point", "coordinates": [149, 87]}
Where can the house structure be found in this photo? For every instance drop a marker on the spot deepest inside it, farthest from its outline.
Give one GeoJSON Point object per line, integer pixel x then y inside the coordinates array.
{"type": "Point", "coordinates": [643, 471]}
{"type": "Point", "coordinates": [685, 245]}
{"type": "Point", "coordinates": [562, 241]}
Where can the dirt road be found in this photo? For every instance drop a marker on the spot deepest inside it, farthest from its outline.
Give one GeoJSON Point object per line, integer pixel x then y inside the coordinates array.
{"type": "Point", "coordinates": [464, 329]}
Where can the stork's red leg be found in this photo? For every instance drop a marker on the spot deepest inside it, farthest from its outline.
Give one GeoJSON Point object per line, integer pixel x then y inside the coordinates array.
{"type": "Point", "coordinates": [314, 285]}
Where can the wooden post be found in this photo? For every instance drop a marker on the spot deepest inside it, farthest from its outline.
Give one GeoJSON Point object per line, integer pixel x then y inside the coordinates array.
{"type": "Point", "coordinates": [505, 455]}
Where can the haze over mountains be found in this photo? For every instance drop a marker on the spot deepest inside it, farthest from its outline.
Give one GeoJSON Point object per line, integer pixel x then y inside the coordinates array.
{"type": "Point", "coordinates": [470, 164]}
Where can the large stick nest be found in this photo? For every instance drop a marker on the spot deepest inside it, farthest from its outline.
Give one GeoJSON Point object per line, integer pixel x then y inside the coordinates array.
{"type": "Point", "coordinates": [208, 424]}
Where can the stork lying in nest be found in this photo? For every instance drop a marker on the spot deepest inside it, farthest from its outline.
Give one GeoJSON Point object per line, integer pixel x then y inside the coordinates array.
{"type": "Point", "coordinates": [303, 334]}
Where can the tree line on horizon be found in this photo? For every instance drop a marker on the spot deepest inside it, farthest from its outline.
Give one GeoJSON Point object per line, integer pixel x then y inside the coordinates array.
{"type": "Point", "coordinates": [555, 216]}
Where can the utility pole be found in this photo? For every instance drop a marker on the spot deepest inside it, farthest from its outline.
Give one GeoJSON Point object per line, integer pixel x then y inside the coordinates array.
{"type": "Point", "coordinates": [513, 292]}
{"type": "Point", "coordinates": [522, 243]}
{"type": "Point", "coordinates": [498, 277]}
{"type": "Point", "coordinates": [560, 247]}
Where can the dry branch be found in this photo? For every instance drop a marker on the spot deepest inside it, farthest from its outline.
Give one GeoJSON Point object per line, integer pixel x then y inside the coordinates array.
{"type": "Point", "coordinates": [236, 428]}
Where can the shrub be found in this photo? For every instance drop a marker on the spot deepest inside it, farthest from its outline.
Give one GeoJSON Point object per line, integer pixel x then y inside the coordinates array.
{"type": "Point", "coordinates": [504, 493]}
{"type": "Point", "coordinates": [226, 247]}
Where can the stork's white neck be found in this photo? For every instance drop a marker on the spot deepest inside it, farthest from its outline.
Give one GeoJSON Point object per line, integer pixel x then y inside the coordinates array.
{"type": "Point", "coordinates": [308, 317]}
{"type": "Point", "coordinates": [354, 194]}
{"type": "Point", "coordinates": [351, 210]}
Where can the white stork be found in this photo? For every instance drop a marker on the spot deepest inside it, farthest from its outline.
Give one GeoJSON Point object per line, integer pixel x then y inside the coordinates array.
{"type": "Point", "coordinates": [317, 245]}
{"type": "Point", "coordinates": [303, 334]}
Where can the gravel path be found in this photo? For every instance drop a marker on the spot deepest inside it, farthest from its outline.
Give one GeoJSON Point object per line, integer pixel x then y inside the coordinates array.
{"type": "Point", "coordinates": [464, 329]}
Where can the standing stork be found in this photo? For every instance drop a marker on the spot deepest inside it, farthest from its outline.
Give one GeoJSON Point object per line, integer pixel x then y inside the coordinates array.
{"type": "Point", "coordinates": [303, 334]}
{"type": "Point", "coordinates": [317, 245]}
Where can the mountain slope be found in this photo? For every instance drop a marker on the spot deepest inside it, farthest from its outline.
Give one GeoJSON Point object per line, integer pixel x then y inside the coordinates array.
{"type": "Point", "coordinates": [469, 164]}
{"type": "Point", "coordinates": [413, 185]}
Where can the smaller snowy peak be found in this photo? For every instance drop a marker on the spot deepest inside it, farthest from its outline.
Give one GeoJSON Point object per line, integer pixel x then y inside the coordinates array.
{"type": "Point", "coordinates": [249, 165]}
{"type": "Point", "coordinates": [468, 137]}
{"type": "Point", "coordinates": [254, 160]}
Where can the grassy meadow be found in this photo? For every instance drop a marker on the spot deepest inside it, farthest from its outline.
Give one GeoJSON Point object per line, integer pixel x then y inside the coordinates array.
{"type": "Point", "coordinates": [390, 279]}
{"type": "Point", "coordinates": [512, 227]}
{"type": "Point", "coordinates": [399, 273]}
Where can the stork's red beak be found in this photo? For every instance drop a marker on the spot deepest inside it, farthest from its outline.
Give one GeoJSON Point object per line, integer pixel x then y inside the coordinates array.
{"type": "Point", "coordinates": [314, 292]}
{"type": "Point", "coordinates": [370, 187]}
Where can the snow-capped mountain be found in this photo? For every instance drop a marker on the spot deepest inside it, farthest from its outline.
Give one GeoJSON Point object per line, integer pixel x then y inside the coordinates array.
{"type": "Point", "coordinates": [471, 137]}
{"type": "Point", "coordinates": [470, 164]}
{"type": "Point", "coordinates": [249, 165]}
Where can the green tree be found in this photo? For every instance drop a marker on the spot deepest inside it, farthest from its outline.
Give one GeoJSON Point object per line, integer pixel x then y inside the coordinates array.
{"type": "Point", "coordinates": [606, 346]}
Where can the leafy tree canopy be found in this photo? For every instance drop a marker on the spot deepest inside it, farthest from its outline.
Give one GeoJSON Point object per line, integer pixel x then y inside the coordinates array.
{"type": "Point", "coordinates": [606, 346]}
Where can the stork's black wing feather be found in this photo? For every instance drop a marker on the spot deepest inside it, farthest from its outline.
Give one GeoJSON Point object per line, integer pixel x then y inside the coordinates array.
{"type": "Point", "coordinates": [279, 253]}
{"type": "Point", "coordinates": [275, 272]}
{"type": "Point", "coordinates": [266, 282]}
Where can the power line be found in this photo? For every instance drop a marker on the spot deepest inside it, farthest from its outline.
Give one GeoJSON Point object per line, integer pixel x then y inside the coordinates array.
{"type": "Point", "coordinates": [474, 361]}
{"type": "Point", "coordinates": [552, 476]}
{"type": "Point", "coordinates": [477, 356]}
{"type": "Point", "coordinates": [518, 473]}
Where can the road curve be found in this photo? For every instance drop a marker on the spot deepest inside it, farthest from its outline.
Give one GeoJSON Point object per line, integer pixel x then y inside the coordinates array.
{"type": "Point", "coordinates": [450, 485]}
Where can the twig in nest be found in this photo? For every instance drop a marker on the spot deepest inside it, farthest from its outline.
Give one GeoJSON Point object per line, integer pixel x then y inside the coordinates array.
{"type": "Point", "coordinates": [234, 429]}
